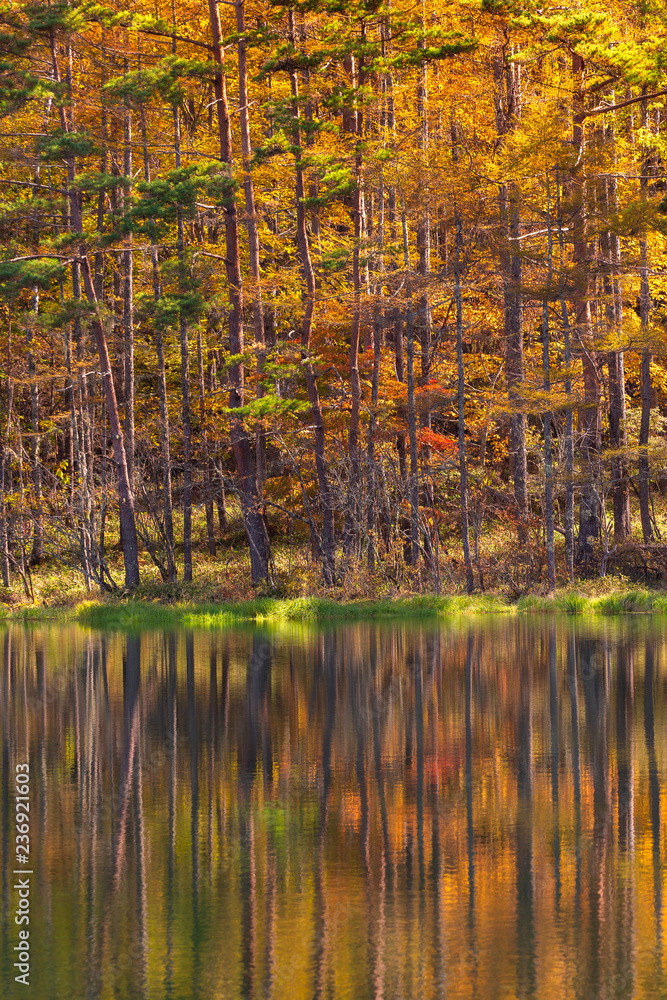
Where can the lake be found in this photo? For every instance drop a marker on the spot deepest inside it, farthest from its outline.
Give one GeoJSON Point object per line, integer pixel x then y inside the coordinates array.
{"type": "Point", "coordinates": [467, 808]}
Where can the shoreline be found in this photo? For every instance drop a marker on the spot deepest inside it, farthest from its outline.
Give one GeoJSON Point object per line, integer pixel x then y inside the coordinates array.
{"type": "Point", "coordinates": [113, 613]}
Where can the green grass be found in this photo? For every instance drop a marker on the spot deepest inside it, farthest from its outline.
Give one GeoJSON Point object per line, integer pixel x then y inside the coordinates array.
{"type": "Point", "coordinates": [221, 592]}
{"type": "Point", "coordinates": [140, 613]}
{"type": "Point", "coordinates": [614, 603]}
{"type": "Point", "coordinates": [148, 614]}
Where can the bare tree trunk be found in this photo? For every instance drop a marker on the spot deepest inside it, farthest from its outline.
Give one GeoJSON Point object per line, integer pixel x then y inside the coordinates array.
{"type": "Point", "coordinates": [378, 319]}
{"type": "Point", "coordinates": [5, 463]}
{"type": "Point", "coordinates": [125, 496]}
{"type": "Point", "coordinates": [128, 303]}
{"type": "Point", "coordinates": [328, 540]}
{"type": "Point", "coordinates": [548, 456]}
{"type": "Point", "coordinates": [251, 224]}
{"type": "Point", "coordinates": [186, 414]}
{"type": "Point", "coordinates": [412, 431]}
{"type": "Point", "coordinates": [621, 497]}
{"type": "Point", "coordinates": [165, 442]}
{"type": "Point", "coordinates": [401, 441]}
{"type": "Point", "coordinates": [590, 418]}
{"type": "Point", "coordinates": [644, 313]}
{"type": "Point", "coordinates": [424, 268]}
{"type": "Point", "coordinates": [187, 430]}
{"type": "Point", "coordinates": [569, 419]}
{"type": "Point", "coordinates": [352, 512]}
{"type": "Point", "coordinates": [611, 254]}
{"type": "Point", "coordinates": [103, 487]}
{"type": "Point", "coordinates": [507, 97]}
{"type": "Point", "coordinates": [78, 472]}
{"type": "Point", "coordinates": [514, 358]}
{"type": "Point", "coordinates": [260, 550]}
{"type": "Point", "coordinates": [205, 457]}
{"type": "Point", "coordinates": [38, 525]}
{"type": "Point", "coordinates": [644, 487]}
{"type": "Point", "coordinates": [463, 472]}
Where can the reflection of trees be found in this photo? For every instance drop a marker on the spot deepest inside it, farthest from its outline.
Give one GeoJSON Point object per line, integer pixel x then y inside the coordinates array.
{"type": "Point", "coordinates": [324, 661]}
{"type": "Point", "coordinates": [525, 887]}
{"type": "Point", "coordinates": [654, 800]}
{"type": "Point", "coordinates": [624, 904]}
{"type": "Point", "coordinates": [592, 658]}
{"type": "Point", "coordinates": [555, 757]}
{"type": "Point", "coordinates": [6, 731]}
{"type": "Point", "coordinates": [576, 766]}
{"type": "Point", "coordinates": [172, 728]}
{"type": "Point", "coordinates": [193, 743]}
{"type": "Point", "coordinates": [367, 811]}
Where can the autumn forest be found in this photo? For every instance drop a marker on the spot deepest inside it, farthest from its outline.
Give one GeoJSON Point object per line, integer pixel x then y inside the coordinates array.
{"type": "Point", "coordinates": [387, 279]}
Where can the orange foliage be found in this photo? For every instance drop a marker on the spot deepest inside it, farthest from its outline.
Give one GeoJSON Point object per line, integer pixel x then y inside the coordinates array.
{"type": "Point", "coordinates": [437, 442]}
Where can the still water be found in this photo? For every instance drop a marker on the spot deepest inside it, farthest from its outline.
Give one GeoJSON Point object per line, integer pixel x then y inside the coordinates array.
{"type": "Point", "coordinates": [371, 811]}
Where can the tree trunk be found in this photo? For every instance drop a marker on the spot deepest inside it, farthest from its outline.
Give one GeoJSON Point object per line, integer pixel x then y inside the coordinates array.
{"type": "Point", "coordinates": [611, 254]}
{"type": "Point", "coordinates": [5, 464]}
{"type": "Point", "coordinates": [258, 540]}
{"type": "Point", "coordinates": [128, 527]}
{"type": "Point", "coordinates": [412, 431]}
{"type": "Point", "coordinates": [590, 417]}
{"type": "Point", "coordinates": [513, 325]}
{"type": "Point", "coordinates": [645, 313]}
{"type": "Point", "coordinates": [186, 415]}
{"type": "Point", "coordinates": [165, 433]}
{"type": "Point", "coordinates": [125, 495]}
{"type": "Point", "coordinates": [401, 437]}
{"type": "Point", "coordinates": [253, 235]}
{"type": "Point", "coordinates": [205, 456]}
{"type": "Point", "coordinates": [569, 420]}
{"type": "Point", "coordinates": [424, 269]}
{"type": "Point", "coordinates": [378, 319]}
{"type": "Point", "coordinates": [621, 498]}
{"type": "Point", "coordinates": [352, 512]}
{"type": "Point", "coordinates": [507, 97]}
{"type": "Point", "coordinates": [328, 540]}
{"type": "Point", "coordinates": [546, 373]}
{"type": "Point", "coordinates": [463, 473]}
{"type": "Point", "coordinates": [548, 457]}
{"type": "Point", "coordinates": [128, 304]}
{"type": "Point", "coordinates": [38, 526]}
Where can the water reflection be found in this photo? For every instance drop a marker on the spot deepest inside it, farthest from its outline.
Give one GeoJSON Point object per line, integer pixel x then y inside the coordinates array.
{"type": "Point", "coordinates": [371, 811]}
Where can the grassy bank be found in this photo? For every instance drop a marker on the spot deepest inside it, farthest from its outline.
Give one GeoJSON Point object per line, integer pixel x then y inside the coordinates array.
{"type": "Point", "coordinates": [142, 613]}
{"type": "Point", "coordinates": [132, 613]}
{"type": "Point", "coordinates": [221, 593]}
{"type": "Point", "coordinates": [616, 602]}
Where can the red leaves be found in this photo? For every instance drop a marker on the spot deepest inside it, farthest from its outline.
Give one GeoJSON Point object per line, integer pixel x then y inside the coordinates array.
{"type": "Point", "coordinates": [437, 442]}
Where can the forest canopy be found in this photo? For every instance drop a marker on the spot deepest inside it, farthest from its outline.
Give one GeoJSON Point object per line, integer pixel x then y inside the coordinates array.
{"type": "Point", "coordinates": [381, 274]}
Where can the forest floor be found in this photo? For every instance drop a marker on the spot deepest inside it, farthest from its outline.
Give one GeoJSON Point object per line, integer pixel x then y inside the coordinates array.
{"type": "Point", "coordinates": [508, 579]}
